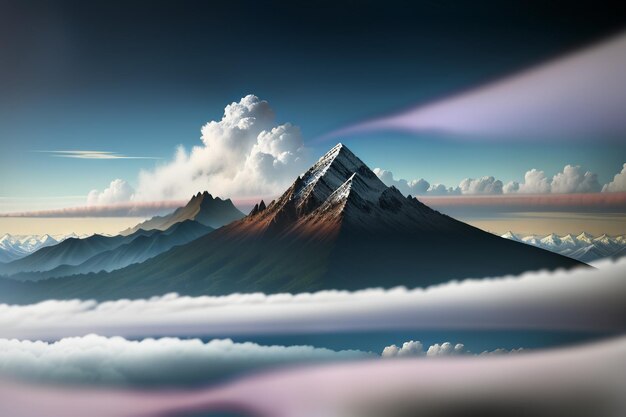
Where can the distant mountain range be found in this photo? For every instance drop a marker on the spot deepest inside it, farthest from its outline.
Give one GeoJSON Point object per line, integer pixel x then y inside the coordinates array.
{"type": "Point", "coordinates": [336, 227]}
{"type": "Point", "coordinates": [584, 247]}
{"type": "Point", "coordinates": [107, 253]}
{"type": "Point", "coordinates": [14, 247]}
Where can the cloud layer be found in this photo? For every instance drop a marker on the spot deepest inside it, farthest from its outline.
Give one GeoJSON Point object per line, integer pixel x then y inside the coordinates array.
{"type": "Point", "coordinates": [576, 381]}
{"type": "Point", "coordinates": [581, 299]}
{"type": "Point", "coordinates": [150, 362]}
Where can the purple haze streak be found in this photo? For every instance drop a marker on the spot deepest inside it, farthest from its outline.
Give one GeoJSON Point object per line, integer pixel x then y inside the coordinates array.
{"type": "Point", "coordinates": [582, 95]}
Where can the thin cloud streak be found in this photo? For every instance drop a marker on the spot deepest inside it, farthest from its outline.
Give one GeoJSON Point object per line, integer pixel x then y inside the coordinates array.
{"type": "Point", "coordinates": [83, 154]}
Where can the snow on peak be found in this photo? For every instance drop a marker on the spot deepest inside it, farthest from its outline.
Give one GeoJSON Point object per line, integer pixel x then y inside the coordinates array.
{"type": "Point", "coordinates": [510, 235]}
{"type": "Point", "coordinates": [329, 173]}
{"type": "Point", "coordinates": [584, 237]}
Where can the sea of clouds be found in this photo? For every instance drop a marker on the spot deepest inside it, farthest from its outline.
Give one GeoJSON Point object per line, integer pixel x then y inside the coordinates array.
{"type": "Point", "coordinates": [584, 299]}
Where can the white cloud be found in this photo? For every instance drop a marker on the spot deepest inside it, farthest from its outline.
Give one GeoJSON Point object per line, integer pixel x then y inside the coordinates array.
{"type": "Point", "coordinates": [535, 182]}
{"type": "Point", "coordinates": [580, 299]}
{"type": "Point", "coordinates": [414, 187]}
{"type": "Point", "coordinates": [510, 187]}
{"type": "Point", "coordinates": [571, 180]}
{"type": "Point", "coordinates": [534, 384]}
{"type": "Point", "coordinates": [416, 348]}
{"type": "Point", "coordinates": [119, 191]}
{"type": "Point", "coordinates": [245, 154]}
{"type": "Point", "coordinates": [574, 180]}
{"type": "Point", "coordinates": [440, 189]}
{"type": "Point", "coordinates": [483, 185]}
{"type": "Point", "coordinates": [618, 183]}
{"type": "Point", "coordinates": [165, 361]}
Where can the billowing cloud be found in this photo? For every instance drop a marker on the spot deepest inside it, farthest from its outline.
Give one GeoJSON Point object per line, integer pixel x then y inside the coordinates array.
{"type": "Point", "coordinates": [165, 361]}
{"type": "Point", "coordinates": [483, 185]}
{"type": "Point", "coordinates": [574, 180]}
{"type": "Point", "coordinates": [535, 182]}
{"type": "Point", "coordinates": [245, 154]}
{"type": "Point", "coordinates": [618, 184]}
{"type": "Point", "coordinates": [119, 191]}
{"type": "Point", "coordinates": [414, 187]}
{"type": "Point", "coordinates": [582, 299]}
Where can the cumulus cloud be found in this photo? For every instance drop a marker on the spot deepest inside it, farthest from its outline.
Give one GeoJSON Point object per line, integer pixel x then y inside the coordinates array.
{"type": "Point", "coordinates": [416, 349]}
{"type": "Point", "coordinates": [119, 191]}
{"type": "Point", "coordinates": [574, 180]}
{"type": "Point", "coordinates": [245, 154]}
{"type": "Point", "coordinates": [581, 299]}
{"type": "Point", "coordinates": [535, 182]}
{"type": "Point", "coordinates": [483, 185]}
{"type": "Point", "coordinates": [165, 361]}
{"type": "Point", "coordinates": [618, 184]}
{"type": "Point", "coordinates": [414, 187]}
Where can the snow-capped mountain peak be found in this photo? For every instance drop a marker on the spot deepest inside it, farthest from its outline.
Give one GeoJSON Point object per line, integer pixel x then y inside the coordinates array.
{"type": "Point", "coordinates": [329, 173]}
{"type": "Point", "coordinates": [584, 237]}
{"type": "Point", "coordinates": [511, 236]}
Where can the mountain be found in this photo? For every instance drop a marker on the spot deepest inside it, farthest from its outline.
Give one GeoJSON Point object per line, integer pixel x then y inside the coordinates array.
{"type": "Point", "coordinates": [202, 208]}
{"type": "Point", "coordinates": [13, 247]}
{"type": "Point", "coordinates": [336, 227]}
{"type": "Point", "coordinates": [71, 253]}
{"type": "Point", "coordinates": [584, 247]}
{"type": "Point", "coordinates": [142, 247]}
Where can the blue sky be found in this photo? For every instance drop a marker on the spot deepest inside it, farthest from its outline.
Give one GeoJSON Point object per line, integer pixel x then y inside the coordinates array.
{"type": "Point", "coordinates": [140, 80]}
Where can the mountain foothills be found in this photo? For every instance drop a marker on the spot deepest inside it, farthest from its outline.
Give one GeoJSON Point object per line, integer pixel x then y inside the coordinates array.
{"type": "Point", "coordinates": [336, 227]}
{"type": "Point", "coordinates": [584, 247]}
{"type": "Point", "coordinates": [107, 253]}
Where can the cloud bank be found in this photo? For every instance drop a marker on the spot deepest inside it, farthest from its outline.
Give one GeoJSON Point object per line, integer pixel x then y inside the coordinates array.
{"type": "Point", "coordinates": [582, 299]}
{"type": "Point", "coordinates": [150, 362]}
{"type": "Point", "coordinates": [577, 382]}
{"type": "Point", "coordinates": [572, 180]}
{"type": "Point", "coordinates": [579, 96]}
{"type": "Point", "coordinates": [416, 349]}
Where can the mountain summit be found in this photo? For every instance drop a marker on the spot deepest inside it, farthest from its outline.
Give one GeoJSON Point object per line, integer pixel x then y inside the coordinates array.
{"type": "Point", "coordinates": [336, 227]}
{"type": "Point", "coordinates": [202, 208]}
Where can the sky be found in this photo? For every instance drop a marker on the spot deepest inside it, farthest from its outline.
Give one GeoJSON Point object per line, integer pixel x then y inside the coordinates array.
{"type": "Point", "coordinates": [131, 81]}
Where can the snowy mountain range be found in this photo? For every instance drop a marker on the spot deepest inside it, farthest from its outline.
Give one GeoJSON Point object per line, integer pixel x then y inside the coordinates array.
{"type": "Point", "coordinates": [584, 247]}
{"type": "Point", "coordinates": [14, 247]}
